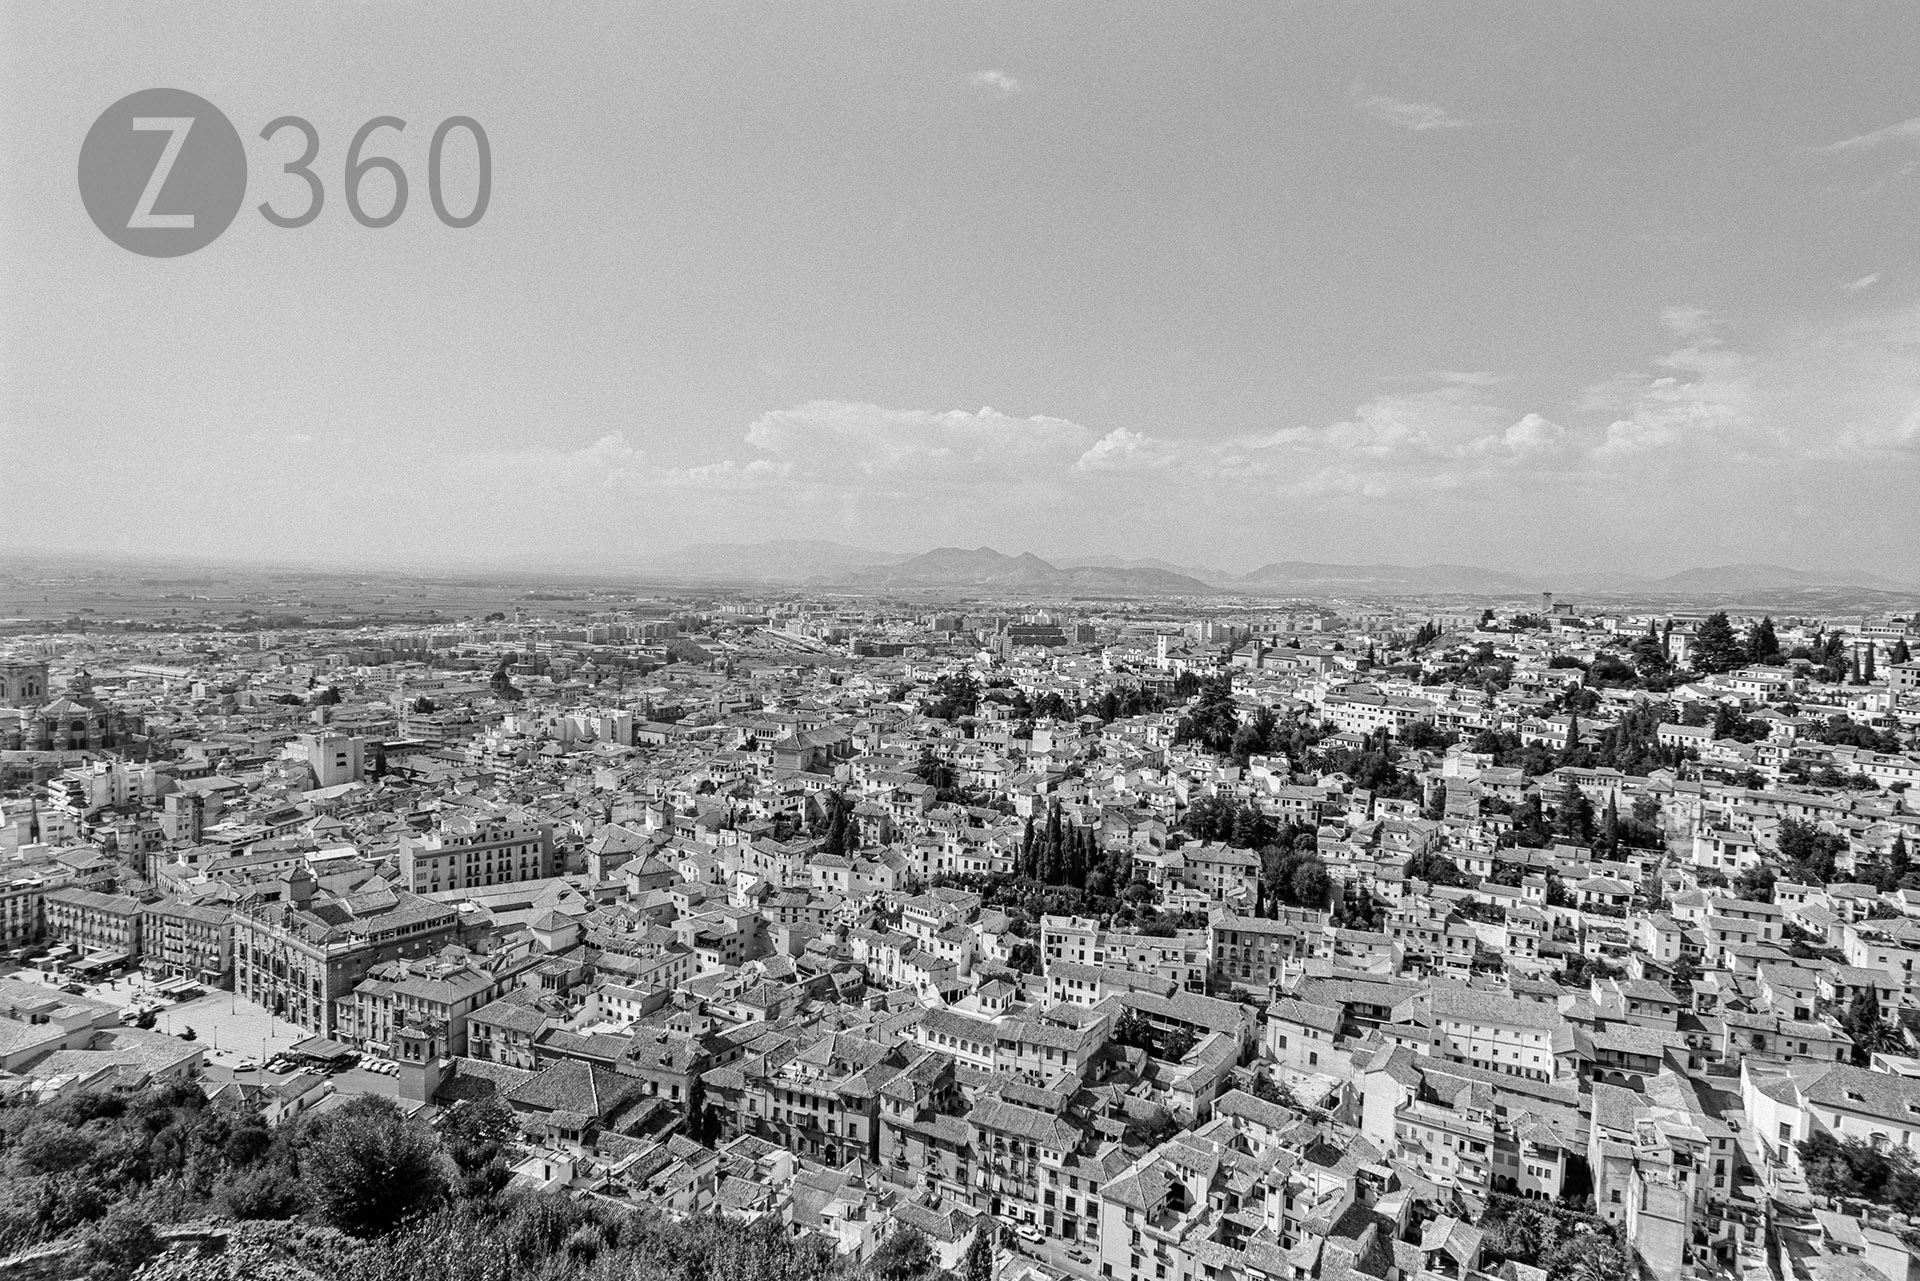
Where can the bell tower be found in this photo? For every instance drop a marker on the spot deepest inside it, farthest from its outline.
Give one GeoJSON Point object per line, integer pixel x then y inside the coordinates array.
{"type": "Point", "coordinates": [23, 684]}
{"type": "Point", "coordinates": [422, 1061]}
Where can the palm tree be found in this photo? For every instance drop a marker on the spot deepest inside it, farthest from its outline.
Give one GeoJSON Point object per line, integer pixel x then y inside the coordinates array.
{"type": "Point", "coordinates": [1887, 1036]}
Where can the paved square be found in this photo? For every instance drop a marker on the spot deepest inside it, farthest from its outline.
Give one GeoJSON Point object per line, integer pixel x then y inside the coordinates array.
{"type": "Point", "coordinates": [229, 1027]}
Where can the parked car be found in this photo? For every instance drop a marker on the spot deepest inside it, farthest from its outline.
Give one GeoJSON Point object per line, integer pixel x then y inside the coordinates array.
{"type": "Point", "coordinates": [246, 1065]}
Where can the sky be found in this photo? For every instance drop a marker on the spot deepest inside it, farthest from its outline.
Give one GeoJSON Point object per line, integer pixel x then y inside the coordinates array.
{"type": "Point", "coordinates": [1633, 286]}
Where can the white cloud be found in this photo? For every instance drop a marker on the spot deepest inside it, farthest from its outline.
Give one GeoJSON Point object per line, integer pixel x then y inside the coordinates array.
{"type": "Point", "coordinates": [1700, 394]}
{"type": "Point", "coordinates": [1417, 117]}
{"type": "Point", "coordinates": [1444, 437]}
{"type": "Point", "coordinates": [1804, 415]}
{"type": "Point", "coordinates": [1865, 282]}
{"type": "Point", "coordinates": [845, 443]}
{"type": "Point", "coordinates": [1688, 322]}
{"type": "Point", "coordinates": [1123, 449]}
{"type": "Point", "coordinates": [996, 82]}
{"type": "Point", "coordinates": [1899, 132]}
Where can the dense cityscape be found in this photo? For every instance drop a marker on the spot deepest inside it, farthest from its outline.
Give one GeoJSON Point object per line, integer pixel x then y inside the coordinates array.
{"type": "Point", "coordinates": [565, 930]}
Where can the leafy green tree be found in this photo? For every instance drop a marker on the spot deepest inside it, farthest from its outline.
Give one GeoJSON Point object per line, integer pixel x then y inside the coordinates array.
{"type": "Point", "coordinates": [1762, 646]}
{"type": "Point", "coordinates": [1422, 736]}
{"type": "Point", "coordinates": [1869, 1030]}
{"type": "Point", "coordinates": [977, 1263]}
{"type": "Point", "coordinates": [370, 1168]}
{"type": "Point", "coordinates": [1756, 884]}
{"type": "Point", "coordinates": [1310, 883]}
{"type": "Point", "coordinates": [1266, 1089]}
{"type": "Point", "coordinates": [1808, 852]}
{"type": "Point", "coordinates": [1133, 1031]}
{"type": "Point", "coordinates": [1150, 1127]}
{"type": "Point", "coordinates": [904, 1256]}
{"type": "Point", "coordinates": [933, 771]}
{"type": "Point", "coordinates": [838, 812]}
{"type": "Point", "coordinates": [955, 695]}
{"type": "Point", "coordinates": [1177, 1045]}
{"type": "Point", "coordinates": [119, 1242]}
{"type": "Point", "coordinates": [1715, 648]}
{"type": "Point", "coordinates": [1685, 971]}
{"type": "Point", "coordinates": [1214, 718]}
{"type": "Point", "coordinates": [697, 1118]}
{"type": "Point", "coordinates": [1435, 869]}
{"type": "Point", "coordinates": [1251, 830]}
{"type": "Point", "coordinates": [1856, 1169]}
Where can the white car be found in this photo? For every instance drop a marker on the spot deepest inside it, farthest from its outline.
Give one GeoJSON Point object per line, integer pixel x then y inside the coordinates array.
{"type": "Point", "coordinates": [246, 1065]}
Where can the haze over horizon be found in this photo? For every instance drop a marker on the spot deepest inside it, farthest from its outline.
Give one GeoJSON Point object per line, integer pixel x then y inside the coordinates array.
{"type": "Point", "coordinates": [807, 563]}
{"type": "Point", "coordinates": [1631, 289]}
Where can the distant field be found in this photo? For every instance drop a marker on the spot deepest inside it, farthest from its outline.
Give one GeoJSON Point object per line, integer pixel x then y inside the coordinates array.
{"type": "Point", "coordinates": [36, 593]}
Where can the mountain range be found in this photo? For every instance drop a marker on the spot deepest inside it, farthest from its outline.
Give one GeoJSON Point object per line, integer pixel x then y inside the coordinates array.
{"type": "Point", "coordinates": [985, 567]}
{"type": "Point", "coordinates": [821, 563]}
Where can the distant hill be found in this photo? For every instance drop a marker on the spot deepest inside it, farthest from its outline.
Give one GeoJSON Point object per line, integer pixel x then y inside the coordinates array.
{"type": "Point", "coordinates": [1722, 580]}
{"type": "Point", "coordinates": [1310, 578]}
{"type": "Point", "coordinates": [1199, 572]}
{"type": "Point", "coordinates": [985, 567]}
{"type": "Point", "coordinates": [814, 561]}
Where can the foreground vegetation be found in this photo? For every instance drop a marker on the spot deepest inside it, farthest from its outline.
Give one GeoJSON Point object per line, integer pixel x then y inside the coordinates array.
{"type": "Point", "coordinates": [363, 1193]}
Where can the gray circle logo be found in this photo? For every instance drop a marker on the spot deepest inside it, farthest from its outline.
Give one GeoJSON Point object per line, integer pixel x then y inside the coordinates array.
{"type": "Point", "coordinates": [162, 172]}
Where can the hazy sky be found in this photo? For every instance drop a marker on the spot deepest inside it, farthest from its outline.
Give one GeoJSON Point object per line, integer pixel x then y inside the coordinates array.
{"type": "Point", "coordinates": [1536, 287]}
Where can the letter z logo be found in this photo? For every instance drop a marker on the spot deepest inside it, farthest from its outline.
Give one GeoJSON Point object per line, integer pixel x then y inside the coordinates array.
{"type": "Point", "coordinates": [197, 170]}
{"type": "Point", "coordinates": [143, 216]}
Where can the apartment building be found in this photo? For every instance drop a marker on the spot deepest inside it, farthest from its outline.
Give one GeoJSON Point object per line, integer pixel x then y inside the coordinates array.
{"type": "Point", "coordinates": [179, 939]}
{"type": "Point", "coordinates": [94, 922]}
{"type": "Point", "coordinates": [466, 851]}
{"type": "Point", "coordinates": [298, 955]}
